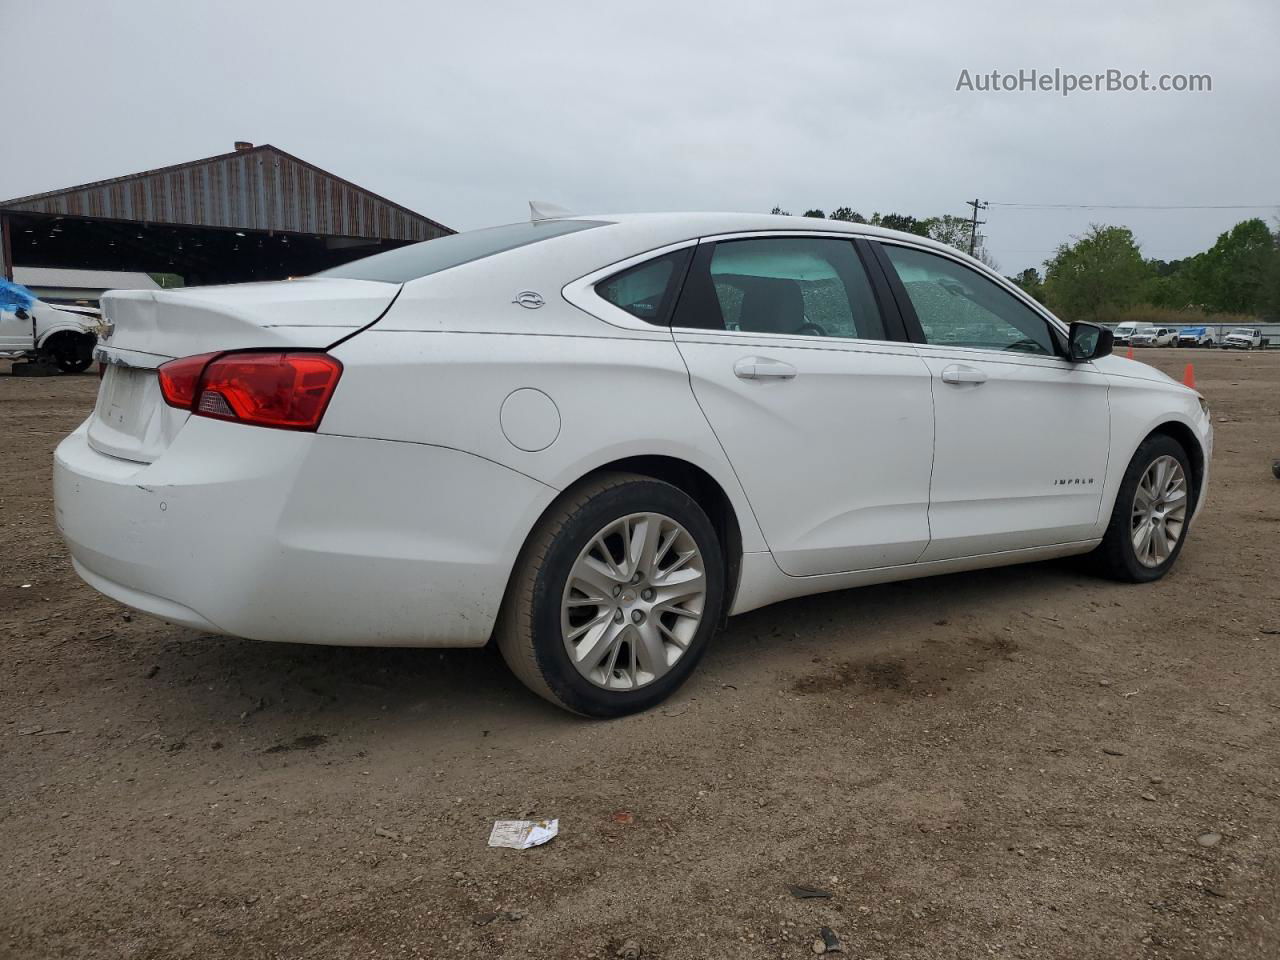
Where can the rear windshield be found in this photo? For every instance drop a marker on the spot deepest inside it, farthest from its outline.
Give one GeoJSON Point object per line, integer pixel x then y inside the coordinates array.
{"type": "Point", "coordinates": [431, 256]}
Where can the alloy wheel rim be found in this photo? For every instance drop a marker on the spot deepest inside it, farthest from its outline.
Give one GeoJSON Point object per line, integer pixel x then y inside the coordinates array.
{"type": "Point", "coordinates": [1159, 511]}
{"type": "Point", "coordinates": [633, 601]}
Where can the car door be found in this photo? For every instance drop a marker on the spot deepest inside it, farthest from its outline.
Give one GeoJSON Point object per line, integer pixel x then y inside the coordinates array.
{"type": "Point", "coordinates": [1021, 434]}
{"type": "Point", "coordinates": [15, 328]}
{"type": "Point", "coordinates": [822, 408]}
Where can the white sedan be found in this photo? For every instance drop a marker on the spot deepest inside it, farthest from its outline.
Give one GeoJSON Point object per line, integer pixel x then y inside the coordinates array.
{"type": "Point", "coordinates": [591, 439]}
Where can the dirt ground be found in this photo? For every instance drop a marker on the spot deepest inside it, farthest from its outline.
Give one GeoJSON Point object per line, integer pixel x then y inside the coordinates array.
{"type": "Point", "coordinates": [1019, 763]}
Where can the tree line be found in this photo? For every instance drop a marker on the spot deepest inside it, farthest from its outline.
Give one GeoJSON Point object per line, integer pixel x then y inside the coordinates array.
{"type": "Point", "coordinates": [1103, 276]}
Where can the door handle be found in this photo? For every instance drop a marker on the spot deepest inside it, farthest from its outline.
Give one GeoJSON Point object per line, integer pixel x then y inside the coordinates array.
{"type": "Point", "coordinates": [763, 368]}
{"type": "Point", "coordinates": [958, 373]}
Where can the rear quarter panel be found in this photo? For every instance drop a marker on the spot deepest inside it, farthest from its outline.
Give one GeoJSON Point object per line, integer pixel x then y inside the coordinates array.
{"type": "Point", "coordinates": [439, 370]}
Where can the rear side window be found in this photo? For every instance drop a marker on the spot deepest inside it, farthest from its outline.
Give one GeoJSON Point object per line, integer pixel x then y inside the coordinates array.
{"type": "Point", "coordinates": [807, 286]}
{"type": "Point", "coordinates": [431, 256]}
{"type": "Point", "coordinates": [648, 290]}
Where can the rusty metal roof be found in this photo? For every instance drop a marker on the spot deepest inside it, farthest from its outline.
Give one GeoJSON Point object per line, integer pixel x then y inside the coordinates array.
{"type": "Point", "coordinates": [261, 188]}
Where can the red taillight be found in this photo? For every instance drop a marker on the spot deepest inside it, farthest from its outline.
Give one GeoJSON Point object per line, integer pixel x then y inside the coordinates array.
{"type": "Point", "coordinates": [270, 389]}
{"type": "Point", "coordinates": [178, 379]}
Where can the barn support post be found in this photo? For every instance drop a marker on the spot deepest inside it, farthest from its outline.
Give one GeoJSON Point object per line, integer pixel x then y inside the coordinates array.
{"type": "Point", "coordinates": [6, 247]}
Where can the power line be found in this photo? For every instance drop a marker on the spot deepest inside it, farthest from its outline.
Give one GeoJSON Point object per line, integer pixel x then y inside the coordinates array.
{"type": "Point", "coordinates": [1134, 206]}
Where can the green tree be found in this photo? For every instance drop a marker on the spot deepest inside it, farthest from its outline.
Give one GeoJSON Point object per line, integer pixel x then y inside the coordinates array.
{"type": "Point", "coordinates": [955, 232]}
{"type": "Point", "coordinates": [1103, 270]}
{"type": "Point", "coordinates": [1031, 283]}
{"type": "Point", "coordinates": [1236, 274]}
{"type": "Point", "coordinates": [1271, 290]}
{"type": "Point", "coordinates": [848, 214]}
{"type": "Point", "coordinates": [815, 213]}
{"type": "Point", "coordinates": [1169, 285]}
{"type": "Point", "coordinates": [778, 211]}
{"type": "Point", "coordinates": [901, 221]}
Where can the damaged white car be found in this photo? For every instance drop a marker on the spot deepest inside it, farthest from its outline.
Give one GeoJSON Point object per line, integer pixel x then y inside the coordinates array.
{"type": "Point", "coordinates": [32, 329]}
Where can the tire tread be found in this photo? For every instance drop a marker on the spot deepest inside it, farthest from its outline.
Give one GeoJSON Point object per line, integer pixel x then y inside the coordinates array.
{"type": "Point", "coordinates": [1112, 558]}
{"type": "Point", "coordinates": [514, 629]}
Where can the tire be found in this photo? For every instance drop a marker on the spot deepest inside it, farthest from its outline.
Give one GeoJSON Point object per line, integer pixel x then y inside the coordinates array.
{"type": "Point", "coordinates": [541, 608]}
{"type": "Point", "coordinates": [1117, 556]}
{"type": "Point", "coordinates": [69, 352]}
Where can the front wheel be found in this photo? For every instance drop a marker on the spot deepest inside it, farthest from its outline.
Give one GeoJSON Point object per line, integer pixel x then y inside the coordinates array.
{"type": "Point", "coordinates": [70, 352]}
{"type": "Point", "coordinates": [615, 596]}
{"type": "Point", "coordinates": [1151, 515]}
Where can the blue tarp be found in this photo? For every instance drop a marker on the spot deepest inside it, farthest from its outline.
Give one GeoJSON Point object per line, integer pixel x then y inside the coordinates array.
{"type": "Point", "coordinates": [14, 296]}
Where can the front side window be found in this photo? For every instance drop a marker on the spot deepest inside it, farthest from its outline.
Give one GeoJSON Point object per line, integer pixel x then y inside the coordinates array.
{"type": "Point", "coordinates": [959, 307]}
{"type": "Point", "coordinates": [648, 290]}
{"type": "Point", "coordinates": [807, 286]}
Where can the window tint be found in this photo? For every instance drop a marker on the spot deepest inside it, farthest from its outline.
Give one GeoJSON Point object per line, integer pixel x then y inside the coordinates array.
{"type": "Point", "coordinates": [647, 290]}
{"type": "Point", "coordinates": [959, 307]}
{"type": "Point", "coordinates": [431, 256]}
{"type": "Point", "coordinates": [789, 285]}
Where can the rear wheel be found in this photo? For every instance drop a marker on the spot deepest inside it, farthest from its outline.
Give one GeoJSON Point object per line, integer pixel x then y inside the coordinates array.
{"type": "Point", "coordinates": [614, 597]}
{"type": "Point", "coordinates": [1151, 515]}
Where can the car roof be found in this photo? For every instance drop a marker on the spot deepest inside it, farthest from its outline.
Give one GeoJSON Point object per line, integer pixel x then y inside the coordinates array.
{"type": "Point", "coordinates": [655, 229]}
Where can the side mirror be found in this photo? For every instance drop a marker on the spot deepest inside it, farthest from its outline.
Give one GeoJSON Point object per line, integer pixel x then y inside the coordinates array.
{"type": "Point", "coordinates": [22, 314]}
{"type": "Point", "coordinates": [1088, 341]}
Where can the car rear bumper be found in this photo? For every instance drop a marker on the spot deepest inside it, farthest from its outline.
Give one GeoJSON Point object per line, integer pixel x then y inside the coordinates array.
{"type": "Point", "coordinates": [273, 535]}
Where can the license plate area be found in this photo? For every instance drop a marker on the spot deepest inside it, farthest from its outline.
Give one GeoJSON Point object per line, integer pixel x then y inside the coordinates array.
{"type": "Point", "coordinates": [131, 419]}
{"type": "Point", "coordinates": [122, 396]}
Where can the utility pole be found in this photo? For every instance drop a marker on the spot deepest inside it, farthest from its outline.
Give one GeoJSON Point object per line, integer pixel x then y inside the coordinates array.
{"type": "Point", "coordinates": [974, 222]}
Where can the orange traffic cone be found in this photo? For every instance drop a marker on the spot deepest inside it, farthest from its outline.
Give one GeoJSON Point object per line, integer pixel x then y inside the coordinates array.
{"type": "Point", "coordinates": [1189, 377]}
{"type": "Point", "coordinates": [1129, 355]}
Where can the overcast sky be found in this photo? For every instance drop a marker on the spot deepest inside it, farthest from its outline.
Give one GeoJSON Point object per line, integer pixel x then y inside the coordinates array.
{"type": "Point", "coordinates": [463, 111]}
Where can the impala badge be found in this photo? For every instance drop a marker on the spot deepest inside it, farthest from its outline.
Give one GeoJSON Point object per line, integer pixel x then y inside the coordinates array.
{"type": "Point", "coordinates": [529, 299]}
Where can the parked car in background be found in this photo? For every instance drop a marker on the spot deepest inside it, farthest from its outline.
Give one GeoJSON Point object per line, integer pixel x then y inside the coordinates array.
{"type": "Point", "coordinates": [1244, 338]}
{"type": "Point", "coordinates": [1124, 332]}
{"type": "Point", "coordinates": [35, 330]}
{"type": "Point", "coordinates": [1197, 337]}
{"type": "Point", "coordinates": [1154, 337]}
{"type": "Point", "coordinates": [593, 438]}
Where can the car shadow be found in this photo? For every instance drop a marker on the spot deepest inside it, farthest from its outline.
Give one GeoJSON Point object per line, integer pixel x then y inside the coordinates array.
{"type": "Point", "coordinates": [900, 613]}
{"type": "Point", "coordinates": [284, 699]}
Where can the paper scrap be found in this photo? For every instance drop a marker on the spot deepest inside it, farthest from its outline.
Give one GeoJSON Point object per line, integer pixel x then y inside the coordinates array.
{"type": "Point", "coordinates": [522, 834]}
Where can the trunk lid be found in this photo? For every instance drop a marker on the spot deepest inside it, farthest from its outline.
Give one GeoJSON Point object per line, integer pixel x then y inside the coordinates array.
{"type": "Point", "coordinates": [312, 312]}
{"type": "Point", "coordinates": [145, 328]}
